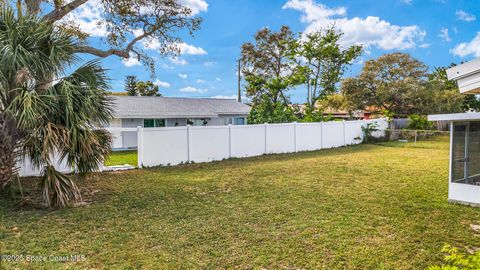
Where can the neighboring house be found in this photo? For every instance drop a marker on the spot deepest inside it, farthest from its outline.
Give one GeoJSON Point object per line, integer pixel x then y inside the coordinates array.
{"type": "Point", "coordinates": [156, 112]}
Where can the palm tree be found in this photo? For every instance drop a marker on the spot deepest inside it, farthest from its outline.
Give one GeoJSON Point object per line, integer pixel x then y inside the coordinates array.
{"type": "Point", "coordinates": [45, 113]}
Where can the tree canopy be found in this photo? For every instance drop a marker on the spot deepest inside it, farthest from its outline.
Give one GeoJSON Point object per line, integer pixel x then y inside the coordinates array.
{"type": "Point", "coordinates": [325, 62]}
{"type": "Point", "coordinates": [270, 69]}
{"type": "Point", "coordinates": [134, 87]}
{"type": "Point", "coordinates": [126, 23]}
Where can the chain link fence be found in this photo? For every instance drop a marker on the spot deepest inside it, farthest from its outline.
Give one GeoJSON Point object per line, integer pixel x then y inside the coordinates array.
{"type": "Point", "coordinates": [410, 136]}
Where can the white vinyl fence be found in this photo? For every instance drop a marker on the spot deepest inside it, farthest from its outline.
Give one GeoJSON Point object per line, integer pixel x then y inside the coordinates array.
{"type": "Point", "coordinates": [175, 145]}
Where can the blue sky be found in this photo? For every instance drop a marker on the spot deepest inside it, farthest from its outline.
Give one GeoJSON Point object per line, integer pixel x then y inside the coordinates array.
{"type": "Point", "coordinates": [438, 32]}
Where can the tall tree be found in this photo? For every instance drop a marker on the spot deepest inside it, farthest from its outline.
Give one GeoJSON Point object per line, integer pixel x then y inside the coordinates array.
{"type": "Point", "coordinates": [147, 88]}
{"type": "Point", "coordinates": [126, 23]}
{"type": "Point", "coordinates": [134, 87]}
{"type": "Point", "coordinates": [325, 61]}
{"type": "Point", "coordinates": [270, 69]}
{"type": "Point", "coordinates": [46, 113]}
{"type": "Point", "coordinates": [438, 78]}
{"type": "Point", "coordinates": [391, 82]}
{"type": "Point", "coordinates": [131, 85]}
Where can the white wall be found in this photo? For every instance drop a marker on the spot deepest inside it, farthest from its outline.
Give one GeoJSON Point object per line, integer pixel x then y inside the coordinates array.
{"type": "Point", "coordinates": [464, 193]}
{"type": "Point", "coordinates": [128, 139]}
{"type": "Point", "coordinates": [170, 146]}
{"type": "Point", "coordinates": [163, 146]}
{"type": "Point", "coordinates": [27, 169]}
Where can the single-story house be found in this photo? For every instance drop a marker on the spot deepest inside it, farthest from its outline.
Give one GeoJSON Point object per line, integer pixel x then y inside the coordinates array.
{"type": "Point", "coordinates": [464, 177]}
{"type": "Point", "coordinates": [156, 112]}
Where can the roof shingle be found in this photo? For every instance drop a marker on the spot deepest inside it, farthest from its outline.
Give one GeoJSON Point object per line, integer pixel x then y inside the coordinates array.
{"type": "Point", "coordinates": [169, 107]}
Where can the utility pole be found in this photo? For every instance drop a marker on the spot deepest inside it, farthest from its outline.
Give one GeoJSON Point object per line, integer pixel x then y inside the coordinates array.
{"type": "Point", "coordinates": [239, 98]}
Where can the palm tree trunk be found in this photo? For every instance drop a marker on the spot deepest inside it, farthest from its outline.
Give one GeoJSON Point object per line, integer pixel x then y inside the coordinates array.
{"type": "Point", "coordinates": [8, 154]}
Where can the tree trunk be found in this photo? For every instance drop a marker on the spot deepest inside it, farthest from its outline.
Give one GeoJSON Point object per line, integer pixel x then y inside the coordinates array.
{"type": "Point", "coordinates": [8, 150]}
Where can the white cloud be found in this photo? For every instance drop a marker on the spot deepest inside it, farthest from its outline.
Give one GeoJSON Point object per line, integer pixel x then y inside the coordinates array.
{"type": "Point", "coordinates": [369, 31]}
{"type": "Point", "coordinates": [196, 6]}
{"type": "Point", "coordinates": [178, 61]}
{"type": "Point", "coordinates": [190, 49]}
{"type": "Point", "coordinates": [468, 48]}
{"type": "Point", "coordinates": [161, 84]}
{"type": "Point", "coordinates": [244, 98]}
{"type": "Point", "coordinates": [154, 44]}
{"type": "Point", "coordinates": [88, 17]}
{"type": "Point", "coordinates": [190, 89]}
{"type": "Point", "coordinates": [210, 63]}
{"type": "Point", "coordinates": [224, 97]}
{"type": "Point", "coordinates": [131, 61]}
{"type": "Point", "coordinates": [200, 81]}
{"type": "Point", "coordinates": [424, 45]}
{"type": "Point", "coordinates": [465, 16]}
{"type": "Point", "coordinates": [218, 79]}
{"type": "Point", "coordinates": [444, 35]}
{"type": "Point", "coordinates": [408, 2]}
{"type": "Point", "coordinates": [182, 75]}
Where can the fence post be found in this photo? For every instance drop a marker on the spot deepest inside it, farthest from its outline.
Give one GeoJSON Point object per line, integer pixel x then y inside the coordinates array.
{"type": "Point", "coordinates": [139, 147]}
{"type": "Point", "coordinates": [321, 135]}
{"type": "Point", "coordinates": [229, 140]}
{"type": "Point", "coordinates": [344, 134]}
{"type": "Point", "coordinates": [188, 144]}
{"type": "Point", "coordinates": [265, 125]}
{"type": "Point", "coordinates": [295, 136]}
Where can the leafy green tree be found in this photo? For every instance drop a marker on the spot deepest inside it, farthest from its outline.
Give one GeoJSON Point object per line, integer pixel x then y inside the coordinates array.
{"type": "Point", "coordinates": [270, 69]}
{"type": "Point", "coordinates": [392, 82]}
{"type": "Point", "coordinates": [134, 87]}
{"type": "Point", "coordinates": [126, 23]}
{"type": "Point", "coordinates": [266, 112]}
{"type": "Point", "coordinates": [45, 112]}
{"type": "Point", "coordinates": [460, 102]}
{"type": "Point", "coordinates": [441, 95]}
{"type": "Point", "coordinates": [131, 85]}
{"type": "Point", "coordinates": [325, 62]}
{"type": "Point", "coordinates": [147, 88]}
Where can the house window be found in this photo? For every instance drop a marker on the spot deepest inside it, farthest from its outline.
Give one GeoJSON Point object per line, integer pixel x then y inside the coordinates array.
{"type": "Point", "coordinates": [150, 123]}
{"type": "Point", "coordinates": [197, 122]}
{"type": "Point", "coordinates": [239, 121]}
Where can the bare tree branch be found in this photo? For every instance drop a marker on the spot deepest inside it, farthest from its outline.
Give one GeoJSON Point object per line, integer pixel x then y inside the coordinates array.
{"type": "Point", "coordinates": [103, 53]}
{"type": "Point", "coordinates": [59, 13]}
{"type": "Point", "coordinates": [125, 53]}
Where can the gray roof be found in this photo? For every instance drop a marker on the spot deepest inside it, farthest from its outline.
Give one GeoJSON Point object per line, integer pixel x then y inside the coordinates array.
{"type": "Point", "coordinates": [169, 107]}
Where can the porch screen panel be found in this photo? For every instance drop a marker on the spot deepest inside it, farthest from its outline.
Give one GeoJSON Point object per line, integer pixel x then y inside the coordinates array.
{"type": "Point", "coordinates": [458, 152]}
{"type": "Point", "coordinates": [474, 153]}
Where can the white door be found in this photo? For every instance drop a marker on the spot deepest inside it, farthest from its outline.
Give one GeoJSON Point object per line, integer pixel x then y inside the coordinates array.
{"type": "Point", "coordinates": [117, 136]}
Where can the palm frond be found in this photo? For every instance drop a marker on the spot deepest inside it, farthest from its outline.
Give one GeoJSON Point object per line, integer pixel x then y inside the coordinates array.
{"type": "Point", "coordinates": [58, 190]}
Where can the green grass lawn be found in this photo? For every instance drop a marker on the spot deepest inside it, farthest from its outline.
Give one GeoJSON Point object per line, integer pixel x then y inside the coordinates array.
{"type": "Point", "coordinates": [360, 207]}
{"type": "Point", "coordinates": [122, 157]}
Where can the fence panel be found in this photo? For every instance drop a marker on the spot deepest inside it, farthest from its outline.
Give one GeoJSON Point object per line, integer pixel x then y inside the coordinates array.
{"type": "Point", "coordinates": [353, 132]}
{"type": "Point", "coordinates": [333, 135]}
{"type": "Point", "coordinates": [309, 136]}
{"type": "Point", "coordinates": [209, 143]}
{"type": "Point", "coordinates": [174, 145]}
{"type": "Point", "coordinates": [280, 138]}
{"type": "Point", "coordinates": [247, 141]}
{"type": "Point", "coordinates": [162, 146]}
{"type": "Point", "coordinates": [27, 169]}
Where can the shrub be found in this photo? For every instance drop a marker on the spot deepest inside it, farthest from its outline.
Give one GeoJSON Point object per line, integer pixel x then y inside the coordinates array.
{"type": "Point", "coordinates": [419, 122]}
{"type": "Point", "coordinates": [368, 130]}
{"type": "Point", "coordinates": [457, 260]}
